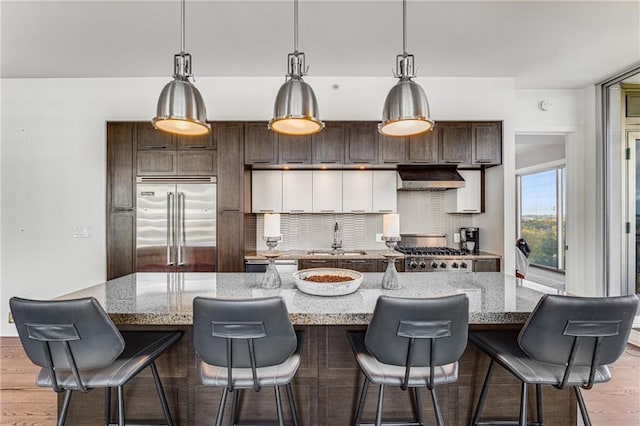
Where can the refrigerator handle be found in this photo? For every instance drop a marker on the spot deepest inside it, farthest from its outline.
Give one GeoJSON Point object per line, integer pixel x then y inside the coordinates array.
{"type": "Point", "coordinates": [181, 227]}
{"type": "Point", "coordinates": [169, 227]}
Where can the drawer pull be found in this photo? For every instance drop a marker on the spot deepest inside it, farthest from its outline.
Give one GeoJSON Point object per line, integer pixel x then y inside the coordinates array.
{"type": "Point", "coordinates": [357, 211]}
{"type": "Point", "coordinates": [327, 211]}
{"type": "Point", "coordinates": [266, 211]}
{"type": "Point", "coordinates": [318, 261]}
{"type": "Point", "coordinates": [385, 210]}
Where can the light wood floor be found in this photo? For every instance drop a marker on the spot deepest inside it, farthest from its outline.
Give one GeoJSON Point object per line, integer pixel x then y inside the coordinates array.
{"type": "Point", "coordinates": [616, 403]}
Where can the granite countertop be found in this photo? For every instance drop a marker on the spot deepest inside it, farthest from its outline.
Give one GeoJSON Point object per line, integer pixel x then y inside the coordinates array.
{"type": "Point", "coordinates": [166, 298]}
{"type": "Point", "coordinates": [370, 254]}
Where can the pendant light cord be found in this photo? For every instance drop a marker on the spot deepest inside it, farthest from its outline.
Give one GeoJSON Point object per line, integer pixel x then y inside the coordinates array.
{"type": "Point", "coordinates": [182, 32]}
{"type": "Point", "coordinates": [404, 27]}
{"type": "Point", "coordinates": [295, 26]}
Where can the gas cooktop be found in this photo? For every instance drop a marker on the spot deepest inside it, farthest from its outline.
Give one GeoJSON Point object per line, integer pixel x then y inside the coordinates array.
{"type": "Point", "coordinates": [431, 251]}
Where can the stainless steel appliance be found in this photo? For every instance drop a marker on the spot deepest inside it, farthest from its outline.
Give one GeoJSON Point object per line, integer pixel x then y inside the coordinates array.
{"type": "Point", "coordinates": [426, 253]}
{"type": "Point", "coordinates": [470, 239]}
{"type": "Point", "coordinates": [284, 266]}
{"type": "Point", "coordinates": [176, 225]}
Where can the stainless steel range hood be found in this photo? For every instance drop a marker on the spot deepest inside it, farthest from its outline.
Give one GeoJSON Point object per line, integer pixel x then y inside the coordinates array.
{"type": "Point", "coordinates": [428, 178]}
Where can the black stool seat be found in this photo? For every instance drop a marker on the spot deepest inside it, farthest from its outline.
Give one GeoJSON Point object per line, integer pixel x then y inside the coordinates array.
{"type": "Point", "coordinates": [412, 344]}
{"type": "Point", "coordinates": [567, 341]}
{"type": "Point", "coordinates": [141, 349]}
{"type": "Point", "coordinates": [80, 349]}
{"type": "Point", "coordinates": [380, 373]}
{"type": "Point", "coordinates": [503, 347]}
{"type": "Point", "coordinates": [242, 378]}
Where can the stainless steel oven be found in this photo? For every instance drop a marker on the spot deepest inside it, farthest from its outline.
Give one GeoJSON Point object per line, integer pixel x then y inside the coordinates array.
{"type": "Point", "coordinates": [427, 253]}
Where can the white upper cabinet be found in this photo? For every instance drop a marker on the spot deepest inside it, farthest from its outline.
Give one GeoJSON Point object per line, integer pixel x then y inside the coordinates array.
{"type": "Point", "coordinates": [385, 198]}
{"type": "Point", "coordinates": [327, 191]}
{"type": "Point", "coordinates": [467, 199]}
{"type": "Point", "coordinates": [297, 189]}
{"type": "Point", "coordinates": [266, 191]}
{"type": "Point", "coordinates": [357, 191]}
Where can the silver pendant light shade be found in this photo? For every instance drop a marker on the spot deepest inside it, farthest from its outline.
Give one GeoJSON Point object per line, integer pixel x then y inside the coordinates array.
{"type": "Point", "coordinates": [181, 109]}
{"type": "Point", "coordinates": [406, 109]}
{"type": "Point", "coordinates": [295, 111]}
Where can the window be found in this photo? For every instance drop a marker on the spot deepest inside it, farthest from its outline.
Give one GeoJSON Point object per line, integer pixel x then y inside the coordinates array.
{"type": "Point", "coordinates": [541, 219]}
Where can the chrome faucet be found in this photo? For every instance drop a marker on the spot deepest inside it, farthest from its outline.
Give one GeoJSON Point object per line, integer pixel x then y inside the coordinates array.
{"type": "Point", "coordinates": [337, 244]}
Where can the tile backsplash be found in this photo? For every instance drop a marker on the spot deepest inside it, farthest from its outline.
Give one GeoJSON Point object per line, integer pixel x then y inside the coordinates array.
{"type": "Point", "coordinates": [420, 213]}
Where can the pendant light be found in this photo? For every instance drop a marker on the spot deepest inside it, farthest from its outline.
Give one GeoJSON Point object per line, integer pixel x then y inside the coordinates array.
{"type": "Point", "coordinates": [181, 110]}
{"type": "Point", "coordinates": [406, 109]}
{"type": "Point", "coordinates": [296, 110]}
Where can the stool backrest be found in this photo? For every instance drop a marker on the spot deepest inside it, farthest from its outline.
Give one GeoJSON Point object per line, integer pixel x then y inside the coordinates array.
{"type": "Point", "coordinates": [397, 321]}
{"type": "Point", "coordinates": [263, 322]}
{"type": "Point", "coordinates": [66, 334]}
{"type": "Point", "coordinates": [559, 322]}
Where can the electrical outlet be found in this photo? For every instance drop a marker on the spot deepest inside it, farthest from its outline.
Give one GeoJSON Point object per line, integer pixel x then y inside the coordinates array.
{"type": "Point", "coordinates": [379, 238]}
{"type": "Point", "coordinates": [456, 237]}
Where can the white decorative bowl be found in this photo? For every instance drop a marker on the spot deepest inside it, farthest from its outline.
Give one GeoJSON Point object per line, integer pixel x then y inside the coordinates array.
{"type": "Point", "coordinates": [327, 288]}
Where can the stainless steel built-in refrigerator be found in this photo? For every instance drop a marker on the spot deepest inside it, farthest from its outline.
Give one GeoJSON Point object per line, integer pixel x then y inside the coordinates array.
{"type": "Point", "coordinates": [176, 225]}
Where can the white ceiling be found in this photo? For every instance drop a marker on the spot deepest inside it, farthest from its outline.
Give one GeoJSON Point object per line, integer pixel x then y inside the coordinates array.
{"type": "Point", "coordinates": [543, 44]}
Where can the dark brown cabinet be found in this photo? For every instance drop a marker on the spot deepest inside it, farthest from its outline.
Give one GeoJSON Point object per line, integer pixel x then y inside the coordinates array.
{"type": "Point", "coordinates": [455, 143]}
{"type": "Point", "coordinates": [393, 150]}
{"type": "Point", "coordinates": [294, 149]}
{"type": "Point", "coordinates": [487, 143]}
{"type": "Point", "coordinates": [261, 144]}
{"type": "Point", "coordinates": [327, 147]}
{"type": "Point", "coordinates": [232, 225]}
{"type": "Point", "coordinates": [423, 148]}
{"type": "Point", "coordinates": [360, 265]}
{"type": "Point", "coordinates": [362, 143]}
{"type": "Point", "coordinates": [121, 199]}
{"type": "Point", "coordinates": [486, 265]}
{"type": "Point", "coordinates": [317, 263]}
{"type": "Point", "coordinates": [162, 154]}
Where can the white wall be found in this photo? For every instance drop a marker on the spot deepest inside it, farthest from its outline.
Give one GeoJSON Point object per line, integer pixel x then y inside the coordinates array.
{"type": "Point", "coordinates": [54, 159]}
{"type": "Point", "coordinates": [572, 113]}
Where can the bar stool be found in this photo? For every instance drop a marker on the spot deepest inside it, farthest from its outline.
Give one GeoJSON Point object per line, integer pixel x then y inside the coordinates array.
{"type": "Point", "coordinates": [256, 338]}
{"type": "Point", "coordinates": [80, 349]}
{"type": "Point", "coordinates": [412, 343]}
{"type": "Point", "coordinates": [566, 341]}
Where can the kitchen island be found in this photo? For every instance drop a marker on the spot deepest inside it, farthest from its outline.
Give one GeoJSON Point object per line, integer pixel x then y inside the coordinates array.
{"type": "Point", "coordinates": [327, 384]}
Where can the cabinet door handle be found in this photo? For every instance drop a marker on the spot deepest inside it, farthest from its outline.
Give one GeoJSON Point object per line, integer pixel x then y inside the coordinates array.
{"type": "Point", "coordinates": [361, 162]}
{"type": "Point", "coordinates": [261, 162]}
{"type": "Point", "coordinates": [357, 261]}
{"type": "Point", "coordinates": [385, 210]}
{"type": "Point", "coordinates": [328, 162]}
{"type": "Point", "coordinates": [483, 161]}
{"type": "Point", "coordinates": [296, 211]}
{"type": "Point", "coordinates": [469, 210]}
{"type": "Point", "coordinates": [295, 162]}
{"type": "Point", "coordinates": [265, 211]}
{"type": "Point", "coordinates": [357, 211]}
{"type": "Point", "coordinates": [455, 161]}
{"type": "Point", "coordinates": [327, 211]}
{"type": "Point", "coordinates": [317, 261]}
{"type": "Point", "coordinates": [155, 147]}
{"type": "Point", "coordinates": [198, 147]}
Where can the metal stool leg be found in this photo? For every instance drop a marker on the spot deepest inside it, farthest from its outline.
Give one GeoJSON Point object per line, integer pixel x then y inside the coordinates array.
{"type": "Point", "coordinates": [279, 407]}
{"type": "Point", "coordinates": [163, 399]}
{"type": "Point", "coordinates": [363, 397]}
{"type": "Point", "coordinates": [107, 406]}
{"type": "Point", "coordinates": [483, 394]}
{"type": "Point", "coordinates": [292, 405]}
{"type": "Point", "coordinates": [523, 406]}
{"type": "Point", "coordinates": [436, 407]}
{"type": "Point", "coordinates": [416, 393]}
{"type": "Point", "coordinates": [540, 404]}
{"type": "Point", "coordinates": [583, 409]}
{"type": "Point", "coordinates": [379, 409]}
{"type": "Point", "coordinates": [234, 406]}
{"type": "Point", "coordinates": [223, 403]}
{"type": "Point", "coordinates": [65, 408]}
{"type": "Point", "coordinates": [121, 419]}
